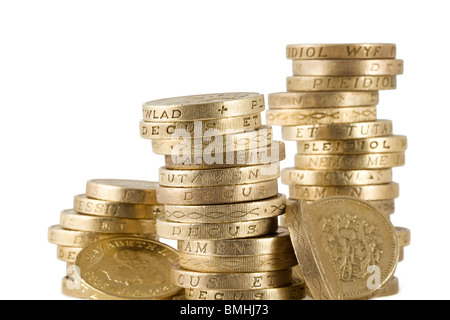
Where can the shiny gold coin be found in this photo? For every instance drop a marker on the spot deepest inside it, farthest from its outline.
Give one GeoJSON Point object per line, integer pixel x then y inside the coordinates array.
{"type": "Point", "coordinates": [223, 213]}
{"type": "Point", "coordinates": [266, 155]}
{"type": "Point", "coordinates": [73, 238]}
{"type": "Point", "coordinates": [278, 242]}
{"type": "Point", "coordinates": [68, 254]}
{"type": "Point", "coordinates": [392, 287]}
{"type": "Point", "coordinates": [353, 83]}
{"type": "Point", "coordinates": [300, 100]}
{"type": "Point", "coordinates": [292, 176]}
{"type": "Point", "coordinates": [218, 177]}
{"type": "Point", "coordinates": [105, 208]}
{"type": "Point", "coordinates": [386, 207]}
{"type": "Point", "coordinates": [389, 144]}
{"type": "Point", "coordinates": [70, 219]}
{"type": "Point", "coordinates": [401, 255]}
{"type": "Point", "coordinates": [222, 281]}
{"type": "Point", "coordinates": [367, 192]}
{"type": "Point", "coordinates": [127, 267]}
{"type": "Point", "coordinates": [253, 263]}
{"type": "Point", "coordinates": [170, 130]}
{"type": "Point", "coordinates": [218, 195]}
{"type": "Point", "coordinates": [211, 147]}
{"type": "Point", "coordinates": [404, 236]}
{"type": "Point", "coordinates": [294, 291]}
{"type": "Point", "coordinates": [205, 106]}
{"type": "Point", "coordinates": [326, 236]}
{"type": "Point", "coordinates": [294, 117]}
{"type": "Point", "coordinates": [352, 67]}
{"type": "Point", "coordinates": [341, 51]}
{"type": "Point", "coordinates": [350, 162]}
{"type": "Point", "coordinates": [342, 131]}
{"type": "Point", "coordinates": [127, 191]}
{"type": "Point", "coordinates": [216, 231]}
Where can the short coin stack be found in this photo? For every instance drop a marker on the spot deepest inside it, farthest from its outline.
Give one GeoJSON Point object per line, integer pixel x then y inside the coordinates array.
{"type": "Point", "coordinates": [220, 195]}
{"type": "Point", "coordinates": [109, 209]}
{"type": "Point", "coordinates": [330, 110]}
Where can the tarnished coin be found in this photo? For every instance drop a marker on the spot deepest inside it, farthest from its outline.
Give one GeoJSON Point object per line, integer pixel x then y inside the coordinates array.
{"type": "Point", "coordinates": [127, 191]}
{"type": "Point", "coordinates": [346, 249]}
{"type": "Point", "coordinates": [127, 267]}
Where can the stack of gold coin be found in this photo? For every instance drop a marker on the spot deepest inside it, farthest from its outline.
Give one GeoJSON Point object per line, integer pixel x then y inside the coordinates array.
{"type": "Point", "coordinates": [330, 110]}
{"type": "Point", "coordinates": [220, 195]}
{"type": "Point", "coordinates": [110, 208]}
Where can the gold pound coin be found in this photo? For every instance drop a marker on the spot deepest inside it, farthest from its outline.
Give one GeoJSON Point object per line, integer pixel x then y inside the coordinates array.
{"type": "Point", "coordinates": [265, 155]}
{"type": "Point", "coordinates": [278, 242]}
{"type": "Point", "coordinates": [341, 51]}
{"type": "Point", "coordinates": [392, 287]}
{"type": "Point", "coordinates": [217, 231]}
{"type": "Point", "coordinates": [127, 267]}
{"type": "Point", "coordinates": [244, 280]}
{"type": "Point", "coordinates": [201, 107]}
{"type": "Point", "coordinates": [366, 192]}
{"type": "Point", "coordinates": [105, 208]}
{"type": "Point", "coordinates": [218, 195]}
{"type": "Point", "coordinates": [330, 83]}
{"type": "Point", "coordinates": [389, 144]}
{"type": "Point", "coordinates": [127, 191]}
{"type": "Point", "coordinates": [70, 219]}
{"type": "Point", "coordinates": [404, 236]}
{"type": "Point", "coordinates": [292, 176]}
{"type": "Point", "coordinates": [325, 235]}
{"type": "Point", "coordinates": [342, 131]}
{"type": "Point", "coordinates": [294, 117]}
{"type": "Point", "coordinates": [386, 207]}
{"type": "Point", "coordinates": [223, 213]}
{"type": "Point", "coordinates": [74, 238]}
{"type": "Point", "coordinates": [385, 67]}
{"type": "Point", "coordinates": [68, 254]}
{"type": "Point", "coordinates": [170, 130]}
{"type": "Point", "coordinates": [210, 146]}
{"type": "Point", "coordinates": [294, 291]}
{"type": "Point", "coordinates": [350, 162]}
{"type": "Point", "coordinates": [218, 177]}
{"type": "Point", "coordinates": [300, 100]}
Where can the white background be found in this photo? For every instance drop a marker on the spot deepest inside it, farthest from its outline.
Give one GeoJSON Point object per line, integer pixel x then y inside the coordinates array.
{"type": "Point", "coordinates": [73, 76]}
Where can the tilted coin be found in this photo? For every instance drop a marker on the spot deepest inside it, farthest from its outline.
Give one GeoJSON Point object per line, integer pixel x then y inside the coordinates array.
{"type": "Point", "coordinates": [393, 143]}
{"type": "Point", "coordinates": [300, 100]}
{"type": "Point", "coordinates": [340, 243]}
{"type": "Point", "coordinates": [347, 67]}
{"type": "Point", "coordinates": [294, 291]}
{"type": "Point", "coordinates": [67, 254]}
{"type": "Point", "coordinates": [366, 192]}
{"type": "Point", "coordinates": [271, 154]}
{"type": "Point", "coordinates": [218, 195]}
{"type": "Point", "coordinates": [350, 162]}
{"type": "Point", "coordinates": [218, 177]}
{"type": "Point", "coordinates": [292, 176]}
{"type": "Point", "coordinates": [294, 117]}
{"type": "Point", "coordinates": [404, 236]}
{"type": "Point", "coordinates": [127, 267]}
{"type": "Point", "coordinates": [70, 219]}
{"type": "Point", "coordinates": [222, 213]}
{"type": "Point", "coordinates": [212, 146]}
{"type": "Point", "coordinates": [127, 191]}
{"type": "Point", "coordinates": [253, 263]}
{"type": "Point", "coordinates": [370, 129]}
{"type": "Point", "coordinates": [242, 280]}
{"type": "Point", "coordinates": [278, 242]}
{"type": "Point", "coordinates": [217, 231]}
{"type": "Point", "coordinates": [83, 204]}
{"type": "Point", "coordinates": [170, 130]}
{"type": "Point", "coordinates": [205, 106]}
{"type": "Point", "coordinates": [352, 83]}
{"type": "Point", "coordinates": [341, 51]}
{"type": "Point", "coordinates": [74, 238]}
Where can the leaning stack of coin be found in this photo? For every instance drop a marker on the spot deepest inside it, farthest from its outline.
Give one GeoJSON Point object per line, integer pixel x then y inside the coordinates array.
{"type": "Point", "coordinates": [330, 111]}
{"type": "Point", "coordinates": [110, 208]}
{"type": "Point", "coordinates": [220, 195]}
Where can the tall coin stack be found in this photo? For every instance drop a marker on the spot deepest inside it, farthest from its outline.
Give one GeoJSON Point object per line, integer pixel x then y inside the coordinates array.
{"type": "Point", "coordinates": [110, 208]}
{"type": "Point", "coordinates": [330, 110]}
{"type": "Point", "coordinates": [220, 195]}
